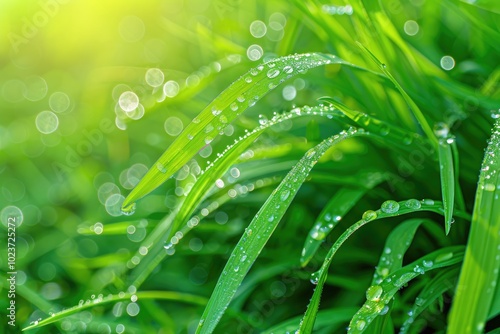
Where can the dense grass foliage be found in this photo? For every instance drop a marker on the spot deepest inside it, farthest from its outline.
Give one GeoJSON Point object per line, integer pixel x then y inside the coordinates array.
{"type": "Point", "coordinates": [253, 167]}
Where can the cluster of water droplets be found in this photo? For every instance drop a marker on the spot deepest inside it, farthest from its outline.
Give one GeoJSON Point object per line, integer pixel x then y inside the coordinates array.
{"type": "Point", "coordinates": [278, 70]}
{"type": "Point", "coordinates": [443, 134]}
{"type": "Point", "coordinates": [489, 177]}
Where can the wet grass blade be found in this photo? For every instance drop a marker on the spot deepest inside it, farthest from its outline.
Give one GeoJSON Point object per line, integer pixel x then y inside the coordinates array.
{"type": "Point", "coordinates": [99, 301]}
{"type": "Point", "coordinates": [259, 231]}
{"type": "Point", "coordinates": [378, 296]}
{"type": "Point", "coordinates": [239, 96]}
{"type": "Point", "coordinates": [479, 273]}
{"type": "Point", "coordinates": [388, 209]}
{"type": "Point", "coordinates": [446, 171]}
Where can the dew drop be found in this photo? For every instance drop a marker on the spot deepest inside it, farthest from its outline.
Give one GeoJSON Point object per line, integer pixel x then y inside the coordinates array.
{"type": "Point", "coordinates": [288, 69]}
{"type": "Point", "coordinates": [374, 292]}
{"type": "Point", "coordinates": [390, 206]}
{"type": "Point", "coordinates": [428, 201]}
{"type": "Point", "coordinates": [284, 195]}
{"type": "Point", "coordinates": [441, 130]}
{"type": "Point", "coordinates": [428, 263]}
{"type": "Point", "coordinates": [443, 257]}
{"type": "Point", "coordinates": [360, 325]}
{"type": "Point", "coordinates": [315, 277]}
{"type": "Point", "coordinates": [413, 204]}
{"type": "Point", "coordinates": [273, 73]}
{"type": "Point", "coordinates": [369, 215]}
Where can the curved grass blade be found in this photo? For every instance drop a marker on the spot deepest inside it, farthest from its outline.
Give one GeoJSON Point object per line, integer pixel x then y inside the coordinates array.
{"type": "Point", "coordinates": [239, 96]}
{"type": "Point", "coordinates": [259, 231]}
{"type": "Point", "coordinates": [388, 209]}
{"type": "Point", "coordinates": [442, 282]}
{"type": "Point", "coordinates": [338, 206]}
{"type": "Point", "coordinates": [99, 301]}
{"type": "Point", "coordinates": [378, 296]}
{"type": "Point", "coordinates": [446, 171]}
{"type": "Point", "coordinates": [479, 273]}
{"type": "Point", "coordinates": [199, 192]}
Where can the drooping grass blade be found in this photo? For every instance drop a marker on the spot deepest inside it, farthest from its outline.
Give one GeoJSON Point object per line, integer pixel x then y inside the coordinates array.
{"type": "Point", "coordinates": [124, 296]}
{"type": "Point", "coordinates": [479, 273]}
{"type": "Point", "coordinates": [388, 209]}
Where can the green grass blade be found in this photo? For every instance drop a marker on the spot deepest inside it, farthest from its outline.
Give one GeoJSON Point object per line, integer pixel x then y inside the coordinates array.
{"type": "Point", "coordinates": [99, 301]}
{"type": "Point", "coordinates": [388, 209]}
{"type": "Point", "coordinates": [259, 231]}
{"type": "Point", "coordinates": [442, 282]}
{"type": "Point", "coordinates": [338, 206]}
{"type": "Point", "coordinates": [378, 296]}
{"type": "Point", "coordinates": [446, 171]}
{"type": "Point", "coordinates": [479, 273]}
{"type": "Point", "coordinates": [239, 96]}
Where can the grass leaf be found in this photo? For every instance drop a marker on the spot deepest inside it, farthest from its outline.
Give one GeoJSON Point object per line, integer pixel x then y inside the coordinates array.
{"type": "Point", "coordinates": [447, 181]}
{"type": "Point", "coordinates": [479, 273]}
{"type": "Point", "coordinates": [124, 296]}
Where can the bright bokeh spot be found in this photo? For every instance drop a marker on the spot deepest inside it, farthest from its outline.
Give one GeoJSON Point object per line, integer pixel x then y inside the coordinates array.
{"type": "Point", "coordinates": [154, 77]}
{"type": "Point", "coordinates": [128, 101]}
{"type": "Point", "coordinates": [447, 63]}
{"type": "Point", "coordinates": [47, 122]}
{"type": "Point", "coordinates": [59, 102]}
{"type": "Point", "coordinates": [411, 28]}
{"type": "Point", "coordinates": [173, 126]}
{"type": "Point", "coordinates": [258, 29]}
